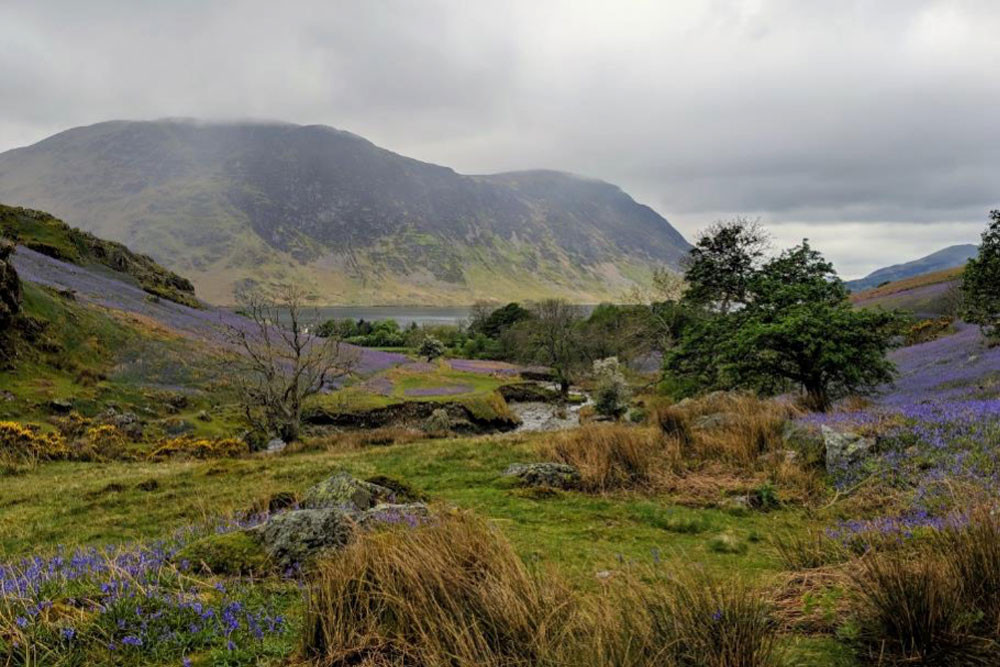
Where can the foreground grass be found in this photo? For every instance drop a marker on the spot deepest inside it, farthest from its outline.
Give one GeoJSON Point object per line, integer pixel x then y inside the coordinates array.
{"type": "Point", "coordinates": [87, 503]}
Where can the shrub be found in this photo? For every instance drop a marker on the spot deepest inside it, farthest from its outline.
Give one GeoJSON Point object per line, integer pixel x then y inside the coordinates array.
{"type": "Point", "coordinates": [612, 456]}
{"type": "Point", "coordinates": [102, 442]}
{"type": "Point", "coordinates": [612, 393]}
{"type": "Point", "coordinates": [451, 592]}
{"type": "Point", "coordinates": [201, 448]}
{"type": "Point", "coordinates": [24, 442]}
{"type": "Point", "coordinates": [431, 348]}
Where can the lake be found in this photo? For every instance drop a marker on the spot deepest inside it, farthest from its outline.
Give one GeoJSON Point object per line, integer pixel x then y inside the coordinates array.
{"type": "Point", "coordinates": [404, 315]}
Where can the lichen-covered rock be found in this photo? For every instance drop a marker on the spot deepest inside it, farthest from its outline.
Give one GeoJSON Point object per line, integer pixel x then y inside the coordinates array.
{"type": "Point", "coordinates": [344, 492]}
{"type": "Point", "coordinates": [845, 448]}
{"type": "Point", "coordinates": [807, 440]}
{"type": "Point", "coordinates": [295, 537]}
{"type": "Point", "coordinates": [553, 475]}
{"type": "Point", "coordinates": [10, 286]}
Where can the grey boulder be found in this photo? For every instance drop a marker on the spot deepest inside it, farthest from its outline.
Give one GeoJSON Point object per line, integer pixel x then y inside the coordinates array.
{"type": "Point", "coordinates": [845, 448]}
{"type": "Point", "coordinates": [553, 475]}
{"type": "Point", "coordinates": [293, 538]}
{"type": "Point", "coordinates": [343, 491]}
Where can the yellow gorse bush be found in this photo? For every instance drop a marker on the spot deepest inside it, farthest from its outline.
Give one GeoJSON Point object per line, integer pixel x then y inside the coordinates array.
{"type": "Point", "coordinates": [24, 441]}
{"type": "Point", "coordinates": [201, 448]}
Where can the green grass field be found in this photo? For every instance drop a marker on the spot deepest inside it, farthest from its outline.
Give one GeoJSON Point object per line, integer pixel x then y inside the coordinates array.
{"type": "Point", "coordinates": [578, 534]}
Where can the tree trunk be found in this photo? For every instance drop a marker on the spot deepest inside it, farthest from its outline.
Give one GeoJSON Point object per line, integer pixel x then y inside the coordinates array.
{"type": "Point", "coordinates": [816, 397]}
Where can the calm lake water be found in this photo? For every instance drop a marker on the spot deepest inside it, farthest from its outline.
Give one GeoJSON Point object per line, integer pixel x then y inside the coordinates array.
{"type": "Point", "coordinates": [402, 314]}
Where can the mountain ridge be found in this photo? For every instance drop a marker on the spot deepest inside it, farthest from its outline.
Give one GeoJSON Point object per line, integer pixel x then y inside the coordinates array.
{"type": "Point", "coordinates": [254, 203]}
{"type": "Point", "coordinates": [947, 258]}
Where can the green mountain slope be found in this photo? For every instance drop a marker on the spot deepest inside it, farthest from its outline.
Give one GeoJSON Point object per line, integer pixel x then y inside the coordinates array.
{"type": "Point", "coordinates": [271, 203]}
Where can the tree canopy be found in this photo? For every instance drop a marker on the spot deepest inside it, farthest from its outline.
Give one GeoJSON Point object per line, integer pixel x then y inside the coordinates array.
{"type": "Point", "coordinates": [981, 282]}
{"type": "Point", "coordinates": [772, 326]}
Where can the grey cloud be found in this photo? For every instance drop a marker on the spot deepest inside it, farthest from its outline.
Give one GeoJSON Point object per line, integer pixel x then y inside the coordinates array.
{"type": "Point", "coordinates": [869, 124]}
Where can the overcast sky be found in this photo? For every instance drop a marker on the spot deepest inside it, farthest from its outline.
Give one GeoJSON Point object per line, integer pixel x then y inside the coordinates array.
{"type": "Point", "coordinates": [873, 128]}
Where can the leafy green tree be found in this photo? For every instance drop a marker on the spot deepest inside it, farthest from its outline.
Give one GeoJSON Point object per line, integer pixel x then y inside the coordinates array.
{"type": "Point", "coordinates": [493, 323]}
{"type": "Point", "coordinates": [981, 282]}
{"type": "Point", "coordinates": [793, 328]}
{"type": "Point", "coordinates": [799, 328]}
{"type": "Point", "coordinates": [722, 264]}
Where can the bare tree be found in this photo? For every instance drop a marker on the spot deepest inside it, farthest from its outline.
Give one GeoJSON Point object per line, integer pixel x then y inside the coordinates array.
{"type": "Point", "coordinates": [554, 339]}
{"type": "Point", "coordinates": [283, 361]}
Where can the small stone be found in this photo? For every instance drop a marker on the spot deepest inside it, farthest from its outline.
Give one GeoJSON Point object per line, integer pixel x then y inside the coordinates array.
{"type": "Point", "coordinates": [553, 475]}
{"type": "Point", "coordinates": [60, 405]}
{"type": "Point", "coordinates": [203, 416]}
{"type": "Point", "coordinates": [276, 445]}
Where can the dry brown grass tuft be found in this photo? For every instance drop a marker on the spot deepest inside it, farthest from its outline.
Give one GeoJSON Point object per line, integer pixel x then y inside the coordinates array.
{"type": "Point", "coordinates": [615, 456]}
{"type": "Point", "coordinates": [735, 428]}
{"type": "Point", "coordinates": [700, 451]}
{"type": "Point", "coordinates": [453, 592]}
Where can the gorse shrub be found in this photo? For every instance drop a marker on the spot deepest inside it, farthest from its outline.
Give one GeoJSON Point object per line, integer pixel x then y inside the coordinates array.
{"type": "Point", "coordinates": [611, 456]}
{"type": "Point", "coordinates": [26, 443]}
{"type": "Point", "coordinates": [201, 448]}
{"type": "Point", "coordinates": [103, 442]}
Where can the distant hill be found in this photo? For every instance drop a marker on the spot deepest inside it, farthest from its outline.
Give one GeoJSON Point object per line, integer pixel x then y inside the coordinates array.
{"type": "Point", "coordinates": [270, 203]}
{"type": "Point", "coordinates": [948, 258]}
{"type": "Point", "coordinates": [927, 295]}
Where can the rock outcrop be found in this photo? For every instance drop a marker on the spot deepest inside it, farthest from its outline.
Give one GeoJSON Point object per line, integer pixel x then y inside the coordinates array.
{"type": "Point", "coordinates": [10, 286]}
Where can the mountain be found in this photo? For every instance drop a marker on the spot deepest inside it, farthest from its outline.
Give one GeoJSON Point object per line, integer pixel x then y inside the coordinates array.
{"type": "Point", "coordinates": [232, 204]}
{"type": "Point", "coordinates": [948, 258]}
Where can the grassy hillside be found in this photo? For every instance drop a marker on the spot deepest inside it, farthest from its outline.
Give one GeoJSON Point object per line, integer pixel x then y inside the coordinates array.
{"type": "Point", "coordinates": [50, 236]}
{"type": "Point", "coordinates": [227, 204]}
{"type": "Point", "coordinates": [926, 295]}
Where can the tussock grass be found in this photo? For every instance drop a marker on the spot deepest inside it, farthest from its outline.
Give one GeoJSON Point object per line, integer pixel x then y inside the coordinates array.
{"type": "Point", "coordinates": [614, 456]}
{"type": "Point", "coordinates": [745, 428]}
{"type": "Point", "coordinates": [454, 593]}
{"type": "Point", "coordinates": [451, 593]}
{"type": "Point", "coordinates": [935, 603]}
